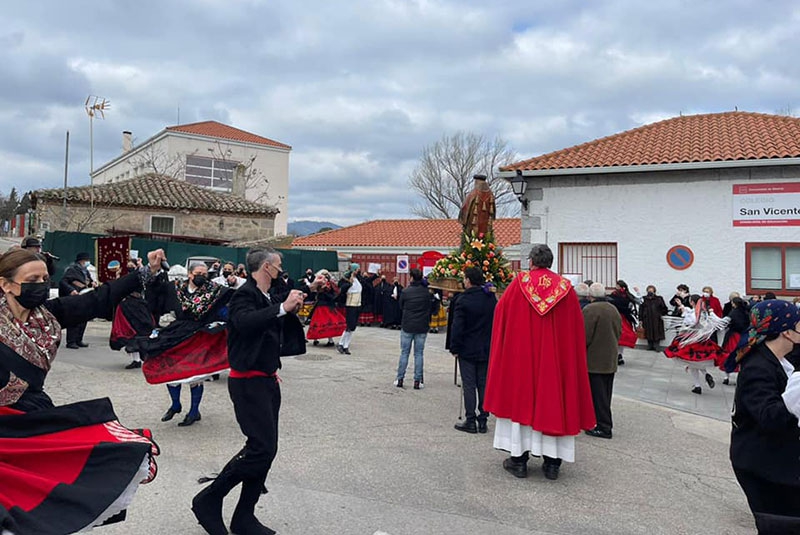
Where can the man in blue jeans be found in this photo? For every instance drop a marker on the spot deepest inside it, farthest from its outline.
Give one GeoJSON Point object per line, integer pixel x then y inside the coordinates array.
{"type": "Point", "coordinates": [416, 302]}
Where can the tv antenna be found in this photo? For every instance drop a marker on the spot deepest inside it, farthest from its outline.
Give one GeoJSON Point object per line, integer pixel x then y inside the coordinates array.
{"type": "Point", "coordinates": [95, 106]}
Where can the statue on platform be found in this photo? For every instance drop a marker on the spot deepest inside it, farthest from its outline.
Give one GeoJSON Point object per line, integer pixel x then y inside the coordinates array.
{"type": "Point", "coordinates": [478, 211]}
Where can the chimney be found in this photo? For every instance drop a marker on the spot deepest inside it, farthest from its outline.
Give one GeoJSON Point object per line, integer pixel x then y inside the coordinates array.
{"type": "Point", "coordinates": [127, 141]}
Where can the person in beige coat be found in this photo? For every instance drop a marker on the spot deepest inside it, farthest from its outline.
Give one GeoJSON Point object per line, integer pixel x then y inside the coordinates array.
{"type": "Point", "coordinates": [603, 328]}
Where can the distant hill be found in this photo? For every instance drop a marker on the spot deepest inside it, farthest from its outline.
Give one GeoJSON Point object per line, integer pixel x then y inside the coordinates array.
{"type": "Point", "coordinates": [304, 228]}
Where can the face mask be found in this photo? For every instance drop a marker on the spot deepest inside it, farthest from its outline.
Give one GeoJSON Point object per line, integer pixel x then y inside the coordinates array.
{"type": "Point", "coordinates": [227, 274]}
{"type": "Point", "coordinates": [682, 293]}
{"type": "Point", "coordinates": [651, 293]}
{"type": "Point", "coordinates": [199, 280]}
{"type": "Point", "coordinates": [33, 294]}
{"type": "Point", "coordinates": [706, 294]}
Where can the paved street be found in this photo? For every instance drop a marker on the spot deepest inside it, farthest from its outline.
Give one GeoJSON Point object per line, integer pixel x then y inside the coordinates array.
{"type": "Point", "coordinates": [359, 456]}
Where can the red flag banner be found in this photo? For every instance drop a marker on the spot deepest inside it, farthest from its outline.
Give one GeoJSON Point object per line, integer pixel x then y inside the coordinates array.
{"type": "Point", "coordinates": [112, 257]}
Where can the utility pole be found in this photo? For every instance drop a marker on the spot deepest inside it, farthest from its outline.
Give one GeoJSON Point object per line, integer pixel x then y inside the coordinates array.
{"type": "Point", "coordinates": [66, 168]}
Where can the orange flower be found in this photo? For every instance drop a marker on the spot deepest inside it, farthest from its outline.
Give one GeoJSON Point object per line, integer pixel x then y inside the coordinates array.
{"type": "Point", "coordinates": [485, 262]}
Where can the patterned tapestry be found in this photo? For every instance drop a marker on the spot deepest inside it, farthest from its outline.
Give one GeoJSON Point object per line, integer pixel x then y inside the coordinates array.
{"type": "Point", "coordinates": [112, 257]}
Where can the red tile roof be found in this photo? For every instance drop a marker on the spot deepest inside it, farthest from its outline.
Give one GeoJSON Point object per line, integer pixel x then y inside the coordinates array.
{"type": "Point", "coordinates": [711, 137]}
{"type": "Point", "coordinates": [223, 131]}
{"type": "Point", "coordinates": [157, 191]}
{"type": "Point", "coordinates": [406, 233]}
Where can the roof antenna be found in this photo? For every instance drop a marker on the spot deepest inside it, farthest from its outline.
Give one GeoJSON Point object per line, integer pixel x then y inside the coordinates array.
{"type": "Point", "coordinates": [736, 108]}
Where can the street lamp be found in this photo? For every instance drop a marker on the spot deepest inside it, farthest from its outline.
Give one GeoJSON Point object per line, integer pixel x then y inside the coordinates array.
{"type": "Point", "coordinates": [94, 106]}
{"type": "Point", "coordinates": [519, 185]}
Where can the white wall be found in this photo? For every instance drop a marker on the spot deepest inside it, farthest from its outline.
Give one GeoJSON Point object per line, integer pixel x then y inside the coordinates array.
{"type": "Point", "coordinates": [646, 215]}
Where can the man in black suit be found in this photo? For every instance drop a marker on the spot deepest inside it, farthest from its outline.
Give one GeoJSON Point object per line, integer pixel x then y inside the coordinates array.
{"type": "Point", "coordinates": [260, 330]}
{"type": "Point", "coordinates": [470, 340]}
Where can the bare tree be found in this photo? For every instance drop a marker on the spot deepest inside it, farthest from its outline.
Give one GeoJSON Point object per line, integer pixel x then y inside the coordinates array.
{"type": "Point", "coordinates": [152, 159]}
{"type": "Point", "coordinates": [443, 176]}
{"type": "Point", "coordinates": [247, 177]}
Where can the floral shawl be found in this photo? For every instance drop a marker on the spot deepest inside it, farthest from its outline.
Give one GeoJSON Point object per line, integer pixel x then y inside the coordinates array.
{"type": "Point", "coordinates": [198, 304]}
{"type": "Point", "coordinates": [36, 341]}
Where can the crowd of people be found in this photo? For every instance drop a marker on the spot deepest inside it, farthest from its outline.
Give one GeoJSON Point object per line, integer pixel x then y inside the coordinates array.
{"type": "Point", "coordinates": [542, 359]}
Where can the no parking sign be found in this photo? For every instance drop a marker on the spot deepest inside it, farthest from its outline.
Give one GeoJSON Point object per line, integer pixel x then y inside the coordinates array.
{"type": "Point", "coordinates": [680, 257]}
{"type": "Point", "coordinates": [402, 264]}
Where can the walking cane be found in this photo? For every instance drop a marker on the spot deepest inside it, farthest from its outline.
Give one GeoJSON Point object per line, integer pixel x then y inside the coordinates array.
{"type": "Point", "coordinates": [460, 392]}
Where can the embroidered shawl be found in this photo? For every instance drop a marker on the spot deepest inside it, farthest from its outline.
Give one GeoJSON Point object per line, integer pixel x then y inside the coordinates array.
{"type": "Point", "coordinates": [198, 303]}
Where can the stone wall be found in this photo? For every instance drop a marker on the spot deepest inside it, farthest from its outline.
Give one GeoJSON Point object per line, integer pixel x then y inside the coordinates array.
{"type": "Point", "coordinates": [82, 218]}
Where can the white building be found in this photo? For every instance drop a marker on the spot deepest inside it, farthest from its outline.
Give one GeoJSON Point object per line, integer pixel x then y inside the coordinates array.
{"type": "Point", "coordinates": [702, 200]}
{"type": "Point", "coordinates": [212, 155]}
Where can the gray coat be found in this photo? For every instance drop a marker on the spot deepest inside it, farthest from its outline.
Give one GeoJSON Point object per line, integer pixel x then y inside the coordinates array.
{"type": "Point", "coordinates": [603, 327]}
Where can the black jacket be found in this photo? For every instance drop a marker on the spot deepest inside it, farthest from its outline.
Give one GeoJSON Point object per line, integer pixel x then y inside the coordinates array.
{"type": "Point", "coordinates": [257, 337]}
{"type": "Point", "coordinates": [416, 303]}
{"type": "Point", "coordinates": [471, 333]}
{"type": "Point", "coordinates": [765, 439]}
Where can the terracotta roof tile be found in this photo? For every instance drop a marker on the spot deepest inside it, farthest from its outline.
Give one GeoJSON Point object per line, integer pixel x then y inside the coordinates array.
{"type": "Point", "coordinates": [223, 131]}
{"type": "Point", "coordinates": [406, 233]}
{"type": "Point", "coordinates": [157, 191]}
{"type": "Point", "coordinates": [713, 137]}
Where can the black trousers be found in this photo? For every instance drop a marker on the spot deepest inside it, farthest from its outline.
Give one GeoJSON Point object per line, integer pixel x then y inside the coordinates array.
{"type": "Point", "coordinates": [767, 498]}
{"type": "Point", "coordinates": [256, 403]}
{"type": "Point", "coordinates": [351, 317]}
{"type": "Point", "coordinates": [602, 385]}
{"type": "Point", "coordinates": [473, 379]}
{"type": "Point", "coordinates": [75, 334]}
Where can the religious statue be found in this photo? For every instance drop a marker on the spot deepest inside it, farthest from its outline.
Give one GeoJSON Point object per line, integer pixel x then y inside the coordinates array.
{"type": "Point", "coordinates": [478, 211]}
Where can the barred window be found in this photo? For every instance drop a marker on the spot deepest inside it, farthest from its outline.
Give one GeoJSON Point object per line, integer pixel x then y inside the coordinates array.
{"type": "Point", "coordinates": [210, 172]}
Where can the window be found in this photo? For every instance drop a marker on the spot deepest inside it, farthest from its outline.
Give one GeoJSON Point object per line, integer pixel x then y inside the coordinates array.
{"type": "Point", "coordinates": [161, 224]}
{"type": "Point", "coordinates": [210, 172]}
{"type": "Point", "coordinates": [773, 266]}
{"type": "Point", "coordinates": [595, 261]}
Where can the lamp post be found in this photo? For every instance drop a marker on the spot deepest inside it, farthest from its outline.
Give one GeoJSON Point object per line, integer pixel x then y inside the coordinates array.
{"type": "Point", "coordinates": [94, 105]}
{"type": "Point", "coordinates": [519, 185]}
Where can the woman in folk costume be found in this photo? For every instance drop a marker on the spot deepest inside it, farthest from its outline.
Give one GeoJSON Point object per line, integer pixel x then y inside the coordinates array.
{"type": "Point", "coordinates": [392, 314]}
{"type": "Point", "coordinates": [383, 287]}
{"type": "Point", "coordinates": [68, 468]}
{"type": "Point", "coordinates": [439, 313]}
{"type": "Point", "coordinates": [694, 345]}
{"type": "Point", "coordinates": [194, 346]}
{"type": "Point", "coordinates": [327, 319]}
{"type": "Point", "coordinates": [738, 326]}
{"type": "Point", "coordinates": [366, 316]}
{"type": "Point", "coordinates": [765, 439]}
{"type": "Point", "coordinates": [538, 380]}
{"type": "Point", "coordinates": [626, 302]}
{"type": "Point", "coordinates": [350, 288]}
{"type": "Point", "coordinates": [132, 320]}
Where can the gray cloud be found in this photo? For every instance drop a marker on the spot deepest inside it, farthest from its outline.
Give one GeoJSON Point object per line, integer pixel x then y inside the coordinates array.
{"type": "Point", "coordinates": [359, 88]}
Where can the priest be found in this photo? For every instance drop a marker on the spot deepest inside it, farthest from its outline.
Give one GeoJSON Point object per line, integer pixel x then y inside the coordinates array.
{"type": "Point", "coordinates": [538, 382]}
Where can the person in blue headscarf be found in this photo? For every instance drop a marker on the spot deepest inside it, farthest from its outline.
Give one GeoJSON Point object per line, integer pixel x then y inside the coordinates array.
{"type": "Point", "coordinates": [765, 439]}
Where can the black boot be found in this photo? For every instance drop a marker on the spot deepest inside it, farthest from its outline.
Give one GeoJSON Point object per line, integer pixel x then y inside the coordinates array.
{"type": "Point", "coordinates": [207, 504]}
{"type": "Point", "coordinates": [244, 521]}
{"type": "Point", "coordinates": [517, 466]}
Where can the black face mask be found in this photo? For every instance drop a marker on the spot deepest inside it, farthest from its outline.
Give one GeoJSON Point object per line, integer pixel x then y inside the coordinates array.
{"type": "Point", "coordinates": [33, 294]}
{"type": "Point", "coordinates": [199, 280]}
{"type": "Point", "coordinates": [227, 274]}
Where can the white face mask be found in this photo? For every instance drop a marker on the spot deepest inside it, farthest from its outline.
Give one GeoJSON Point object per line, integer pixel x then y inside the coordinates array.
{"type": "Point", "coordinates": [706, 294]}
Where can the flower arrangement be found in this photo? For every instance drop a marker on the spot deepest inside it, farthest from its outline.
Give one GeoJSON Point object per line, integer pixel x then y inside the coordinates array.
{"type": "Point", "coordinates": [479, 251]}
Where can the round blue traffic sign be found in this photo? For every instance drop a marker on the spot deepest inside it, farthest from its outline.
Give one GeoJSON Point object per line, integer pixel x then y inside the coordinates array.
{"type": "Point", "coordinates": [680, 257]}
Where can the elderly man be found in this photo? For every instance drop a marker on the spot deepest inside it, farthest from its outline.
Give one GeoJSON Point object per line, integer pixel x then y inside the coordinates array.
{"type": "Point", "coordinates": [538, 384]}
{"type": "Point", "coordinates": [603, 328]}
{"type": "Point", "coordinates": [261, 329]}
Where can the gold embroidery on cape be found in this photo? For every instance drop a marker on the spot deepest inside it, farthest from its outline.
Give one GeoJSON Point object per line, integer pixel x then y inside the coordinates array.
{"type": "Point", "coordinates": [542, 295]}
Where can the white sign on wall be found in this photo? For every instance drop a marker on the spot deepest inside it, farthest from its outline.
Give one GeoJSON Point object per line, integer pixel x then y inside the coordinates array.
{"type": "Point", "coordinates": [766, 205]}
{"type": "Point", "coordinates": [402, 263]}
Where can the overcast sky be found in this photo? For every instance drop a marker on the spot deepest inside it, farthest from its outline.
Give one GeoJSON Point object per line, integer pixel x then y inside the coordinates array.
{"type": "Point", "coordinates": [359, 87]}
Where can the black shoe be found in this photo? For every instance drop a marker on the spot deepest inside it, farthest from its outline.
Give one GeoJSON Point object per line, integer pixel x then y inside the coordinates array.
{"type": "Point", "coordinates": [83, 344]}
{"type": "Point", "coordinates": [346, 351]}
{"type": "Point", "coordinates": [726, 381]}
{"type": "Point", "coordinates": [207, 509]}
{"type": "Point", "coordinates": [169, 414]}
{"type": "Point", "coordinates": [329, 344]}
{"type": "Point", "coordinates": [482, 427]}
{"type": "Point", "coordinates": [697, 390]}
{"type": "Point", "coordinates": [340, 349]}
{"type": "Point", "coordinates": [599, 433]}
{"type": "Point", "coordinates": [316, 342]}
{"type": "Point", "coordinates": [551, 471]}
{"type": "Point", "coordinates": [620, 360]}
{"type": "Point", "coordinates": [398, 383]}
{"type": "Point", "coordinates": [250, 526]}
{"type": "Point", "coordinates": [73, 346]}
{"type": "Point", "coordinates": [134, 364]}
{"type": "Point", "coordinates": [467, 427]}
{"type": "Point", "coordinates": [189, 420]}
{"type": "Point", "coordinates": [710, 381]}
{"type": "Point", "coordinates": [517, 468]}
{"type": "Point", "coordinates": [419, 385]}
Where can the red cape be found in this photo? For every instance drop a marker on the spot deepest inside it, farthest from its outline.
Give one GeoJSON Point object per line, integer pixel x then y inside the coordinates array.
{"type": "Point", "coordinates": [537, 365]}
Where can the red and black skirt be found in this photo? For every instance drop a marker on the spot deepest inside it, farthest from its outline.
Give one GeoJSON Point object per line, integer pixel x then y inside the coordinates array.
{"type": "Point", "coordinates": [628, 336]}
{"type": "Point", "coordinates": [697, 352]}
{"type": "Point", "coordinates": [69, 468]}
{"type": "Point", "coordinates": [202, 354]}
{"type": "Point", "coordinates": [326, 322]}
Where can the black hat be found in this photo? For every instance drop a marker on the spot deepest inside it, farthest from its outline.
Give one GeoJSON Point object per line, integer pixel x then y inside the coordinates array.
{"type": "Point", "coordinates": [479, 177]}
{"type": "Point", "coordinates": [31, 242]}
{"type": "Point", "coordinates": [82, 256]}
